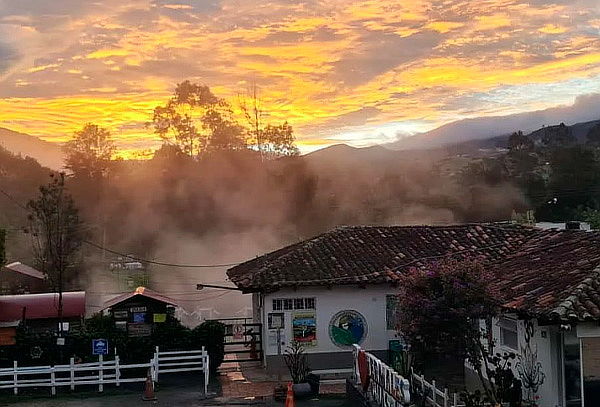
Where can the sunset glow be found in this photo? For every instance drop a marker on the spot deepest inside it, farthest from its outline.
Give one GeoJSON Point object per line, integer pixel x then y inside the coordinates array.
{"type": "Point", "coordinates": [361, 72]}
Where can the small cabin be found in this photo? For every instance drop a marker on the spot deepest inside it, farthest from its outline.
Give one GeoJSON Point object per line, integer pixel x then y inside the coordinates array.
{"type": "Point", "coordinates": [139, 311]}
{"type": "Point", "coordinates": [19, 278]}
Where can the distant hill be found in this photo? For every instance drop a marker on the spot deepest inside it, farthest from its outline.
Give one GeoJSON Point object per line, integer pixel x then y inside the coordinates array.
{"type": "Point", "coordinates": [47, 154]}
{"type": "Point", "coordinates": [585, 109]}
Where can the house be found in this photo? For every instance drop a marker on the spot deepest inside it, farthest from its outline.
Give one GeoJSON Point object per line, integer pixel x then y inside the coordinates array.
{"type": "Point", "coordinates": [19, 278]}
{"type": "Point", "coordinates": [340, 287]}
{"type": "Point", "coordinates": [138, 311]}
{"type": "Point", "coordinates": [39, 312]}
{"type": "Point", "coordinates": [551, 314]}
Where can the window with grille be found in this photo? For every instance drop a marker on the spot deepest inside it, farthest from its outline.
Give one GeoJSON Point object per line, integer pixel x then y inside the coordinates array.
{"type": "Point", "coordinates": [509, 333]}
{"type": "Point", "coordinates": [290, 304]}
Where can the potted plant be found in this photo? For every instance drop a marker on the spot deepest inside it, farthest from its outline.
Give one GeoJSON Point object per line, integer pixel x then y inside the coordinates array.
{"type": "Point", "coordinates": [304, 383]}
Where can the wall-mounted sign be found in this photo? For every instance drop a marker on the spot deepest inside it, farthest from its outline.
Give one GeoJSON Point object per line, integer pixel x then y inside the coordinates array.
{"type": "Point", "coordinates": [139, 329]}
{"type": "Point", "coordinates": [139, 317]}
{"type": "Point", "coordinates": [276, 320]}
{"type": "Point", "coordinates": [304, 328]}
{"type": "Point", "coordinates": [347, 327]}
{"type": "Point", "coordinates": [121, 314]}
{"type": "Point", "coordinates": [157, 318]}
{"type": "Point", "coordinates": [137, 309]}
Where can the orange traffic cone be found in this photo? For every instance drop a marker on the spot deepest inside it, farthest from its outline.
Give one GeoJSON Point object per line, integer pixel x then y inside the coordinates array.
{"type": "Point", "coordinates": [289, 400]}
{"type": "Point", "coordinates": [149, 389]}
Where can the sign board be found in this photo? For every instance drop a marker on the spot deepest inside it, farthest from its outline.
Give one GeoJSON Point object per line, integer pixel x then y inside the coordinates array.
{"type": "Point", "coordinates": [137, 309]}
{"type": "Point", "coordinates": [121, 314]}
{"type": "Point", "coordinates": [139, 329]}
{"type": "Point", "coordinates": [139, 317]}
{"type": "Point", "coordinates": [238, 332]}
{"type": "Point", "coordinates": [304, 328]}
{"type": "Point", "coordinates": [159, 318]}
{"type": "Point", "coordinates": [276, 320]}
{"type": "Point", "coordinates": [99, 347]}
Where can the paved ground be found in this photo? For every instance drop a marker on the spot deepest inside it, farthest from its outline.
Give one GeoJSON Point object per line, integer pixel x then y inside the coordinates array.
{"type": "Point", "coordinates": [248, 386]}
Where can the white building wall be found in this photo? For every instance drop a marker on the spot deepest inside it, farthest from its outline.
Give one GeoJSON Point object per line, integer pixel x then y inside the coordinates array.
{"type": "Point", "coordinates": [548, 354]}
{"type": "Point", "coordinates": [370, 302]}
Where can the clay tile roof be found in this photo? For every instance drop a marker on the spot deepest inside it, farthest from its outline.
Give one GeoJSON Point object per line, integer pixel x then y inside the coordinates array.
{"type": "Point", "coordinates": [141, 291]}
{"type": "Point", "coordinates": [367, 254]}
{"type": "Point", "coordinates": [554, 275]}
{"type": "Point", "coordinates": [544, 273]}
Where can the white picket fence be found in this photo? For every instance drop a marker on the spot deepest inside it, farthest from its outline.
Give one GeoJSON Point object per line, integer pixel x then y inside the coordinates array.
{"type": "Point", "coordinates": [103, 372]}
{"type": "Point", "coordinates": [387, 388]}
{"type": "Point", "coordinates": [433, 396]}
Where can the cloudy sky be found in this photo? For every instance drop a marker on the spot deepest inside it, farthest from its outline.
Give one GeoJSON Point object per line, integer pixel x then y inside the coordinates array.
{"type": "Point", "coordinates": [339, 70]}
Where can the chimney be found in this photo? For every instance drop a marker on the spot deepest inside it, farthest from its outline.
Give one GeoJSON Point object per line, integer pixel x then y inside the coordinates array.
{"type": "Point", "coordinates": [572, 225]}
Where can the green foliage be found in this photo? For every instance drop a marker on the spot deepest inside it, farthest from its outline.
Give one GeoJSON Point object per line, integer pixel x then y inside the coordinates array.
{"type": "Point", "coordinates": [170, 335]}
{"type": "Point", "coordinates": [56, 231]}
{"type": "Point", "coordinates": [89, 153]}
{"type": "Point", "coordinates": [296, 362]}
{"type": "Point", "coordinates": [211, 335]}
{"type": "Point", "coordinates": [593, 135]}
{"type": "Point", "coordinates": [591, 216]}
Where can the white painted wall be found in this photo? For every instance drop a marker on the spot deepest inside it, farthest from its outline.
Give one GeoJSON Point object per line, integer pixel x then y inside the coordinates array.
{"type": "Point", "coordinates": [370, 302]}
{"type": "Point", "coordinates": [549, 355]}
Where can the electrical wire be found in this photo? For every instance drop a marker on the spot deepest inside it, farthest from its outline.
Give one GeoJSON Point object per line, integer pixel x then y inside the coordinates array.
{"type": "Point", "coordinates": [158, 263]}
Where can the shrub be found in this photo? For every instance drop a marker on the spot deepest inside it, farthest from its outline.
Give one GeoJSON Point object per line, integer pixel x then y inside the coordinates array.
{"type": "Point", "coordinates": [211, 335]}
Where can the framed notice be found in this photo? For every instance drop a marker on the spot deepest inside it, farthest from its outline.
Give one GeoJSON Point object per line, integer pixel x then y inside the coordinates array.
{"type": "Point", "coordinates": [139, 317]}
{"type": "Point", "coordinates": [276, 320]}
{"type": "Point", "coordinates": [136, 330]}
{"type": "Point", "coordinates": [304, 328]}
{"type": "Point", "coordinates": [123, 314]}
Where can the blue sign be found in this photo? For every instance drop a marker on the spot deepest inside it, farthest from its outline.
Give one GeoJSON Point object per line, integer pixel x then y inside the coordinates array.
{"type": "Point", "coordinates": [99, 347]}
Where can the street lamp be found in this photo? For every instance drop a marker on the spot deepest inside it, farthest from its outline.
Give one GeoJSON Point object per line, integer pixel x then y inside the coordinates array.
{"type": "Point", "coordinates": [221, 287]}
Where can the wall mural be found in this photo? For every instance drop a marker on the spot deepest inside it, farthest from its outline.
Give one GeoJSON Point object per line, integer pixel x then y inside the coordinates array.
{"type": "Point", "coordinates": [347, 327]}
{"type": "Point", "coordinates": [304, 328]}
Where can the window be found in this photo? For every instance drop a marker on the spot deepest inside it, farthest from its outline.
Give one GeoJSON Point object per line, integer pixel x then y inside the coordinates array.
{"type": "Point", "coordinates": [391, 307]}
{"type": "Point", "coordinates": [508, 333]}
{"type": "Point", "coordinates": [289, 304]}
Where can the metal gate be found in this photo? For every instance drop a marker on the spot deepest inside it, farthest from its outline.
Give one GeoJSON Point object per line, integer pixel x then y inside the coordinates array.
{"type": "Point", "coordinates": [243, 340]}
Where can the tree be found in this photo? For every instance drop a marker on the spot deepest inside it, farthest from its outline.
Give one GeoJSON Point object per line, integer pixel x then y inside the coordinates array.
{"type": "Point", "coordinates": [593, 135]}
{"type": "Point", "coordinates": [519, 142]}
{"type": "Point", "coordinates": [89, 154]}
{"type": "Point", "coordinates": [270, 140]}
{"type": "Point", "coordinates": [195, 120]}
{"type": "Point", "coordinates": [56, 233]}
{"type": "Point", "coordinates": [439, 313]}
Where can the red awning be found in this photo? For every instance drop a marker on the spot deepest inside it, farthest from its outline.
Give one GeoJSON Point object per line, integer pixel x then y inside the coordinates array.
{"type": "Point", "coordinates": [41, 306]}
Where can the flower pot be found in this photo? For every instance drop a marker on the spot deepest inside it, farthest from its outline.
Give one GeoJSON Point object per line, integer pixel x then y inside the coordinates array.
{"type": "Point", "coordinates": [302, 390]}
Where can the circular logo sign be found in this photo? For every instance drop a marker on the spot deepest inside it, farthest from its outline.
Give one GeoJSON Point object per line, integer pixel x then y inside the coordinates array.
{"type": "Point", "coordinates": [347, 328]}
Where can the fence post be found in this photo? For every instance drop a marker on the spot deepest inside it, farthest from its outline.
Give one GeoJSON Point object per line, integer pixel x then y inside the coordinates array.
{"type": "Point", "coordinates": [15, 374]}
{"type": "Point", "coordinates": [53, 381]}
{"type": "Point", "coordinates": [445, 397]}
{"type": "Point", "coordinates": [72, 372]}
{"type": "Point", "coordinates": [455, 400]}
{"type": "Point", "coordinates": [100, 373]}
{"type": "Point", "coordinates": [206, 371]}
{"type": "Point", "coordinates": [434, 393]}
{"type": "Point", "coordinates": [422, 380]}
{"type": "Point", "coordinates": [117, 371]}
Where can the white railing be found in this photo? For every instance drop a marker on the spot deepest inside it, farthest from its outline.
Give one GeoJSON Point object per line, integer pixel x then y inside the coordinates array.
{"type": "Point", "coordinates": [433, 396]}
{"type": "Point", "coordinates": [386, 387]}
{"type": "Point", "coordinates": [182, 361]}
{"type": "Point", "coordinates": [103, 372]}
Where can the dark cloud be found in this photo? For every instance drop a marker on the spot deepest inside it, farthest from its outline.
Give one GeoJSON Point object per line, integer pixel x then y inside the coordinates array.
{"type": "Point", "coordinates": [382, 52]}
{"type": "Point", "coordinates": [8, 57]}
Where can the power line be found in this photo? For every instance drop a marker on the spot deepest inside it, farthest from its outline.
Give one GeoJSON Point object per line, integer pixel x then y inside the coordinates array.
{"type": "Point", "coordinates": [158, 263]}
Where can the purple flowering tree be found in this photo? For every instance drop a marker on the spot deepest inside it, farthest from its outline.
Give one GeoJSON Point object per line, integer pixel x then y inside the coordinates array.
{"type": "Point", "coordinates": [439, 309]}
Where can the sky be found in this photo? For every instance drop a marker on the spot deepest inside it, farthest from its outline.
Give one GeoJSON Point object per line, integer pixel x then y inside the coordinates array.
{"type": "Point", "coordinates": [361, 72]}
